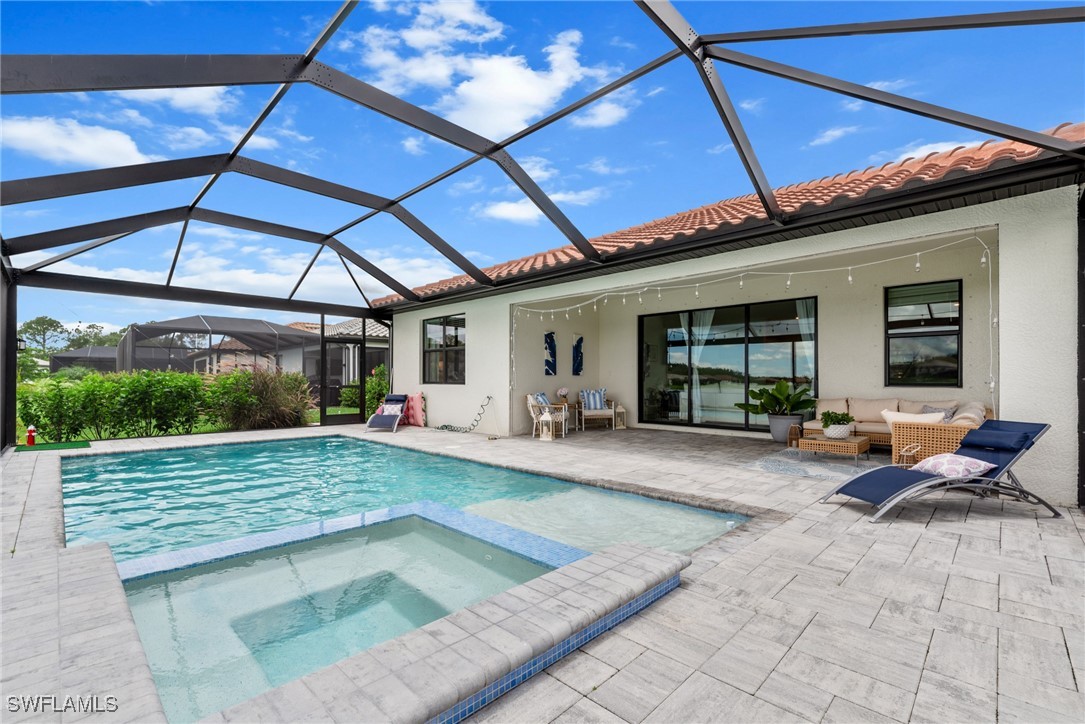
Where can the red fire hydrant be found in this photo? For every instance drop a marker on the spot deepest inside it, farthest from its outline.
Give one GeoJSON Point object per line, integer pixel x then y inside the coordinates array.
{"type": "Point", "coordinates": [30, 433]}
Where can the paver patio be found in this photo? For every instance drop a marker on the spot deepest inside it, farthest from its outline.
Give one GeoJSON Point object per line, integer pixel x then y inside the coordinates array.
{"type": "Point", "coordinates": [955, 609]}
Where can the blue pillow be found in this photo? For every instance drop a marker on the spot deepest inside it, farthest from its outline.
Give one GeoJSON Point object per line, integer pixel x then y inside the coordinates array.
{"type": "Point", "coordinates": [994, 440]}
{"type": "Point", "coordinates": [594, 399]}
{"type": "Point", "coordinates": [541, 398]}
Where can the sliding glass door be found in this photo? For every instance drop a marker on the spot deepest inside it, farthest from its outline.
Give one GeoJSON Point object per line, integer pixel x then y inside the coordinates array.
{"type": "Point", "coordinates": [696, 365]}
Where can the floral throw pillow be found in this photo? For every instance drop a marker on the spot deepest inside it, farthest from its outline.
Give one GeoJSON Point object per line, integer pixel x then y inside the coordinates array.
{"type": "Point", "coordinates": [393, 409]}
{"type": "Point", "coordinates": [950, 465]}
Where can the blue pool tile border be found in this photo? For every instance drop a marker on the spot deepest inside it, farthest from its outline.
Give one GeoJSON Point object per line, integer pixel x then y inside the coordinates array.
{"type": "Point", "coordinates": [522, 673]}
{"type": "Point", "coordinates": [532, 547]}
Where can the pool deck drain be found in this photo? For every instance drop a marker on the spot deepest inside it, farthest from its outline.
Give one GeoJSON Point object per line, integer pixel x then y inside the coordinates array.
{"type": "Point", "coordinates": [953, 609]}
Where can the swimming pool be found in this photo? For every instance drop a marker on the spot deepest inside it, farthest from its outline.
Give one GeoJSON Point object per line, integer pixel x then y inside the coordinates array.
{"type": "Point", "coordinates": [151, 502]}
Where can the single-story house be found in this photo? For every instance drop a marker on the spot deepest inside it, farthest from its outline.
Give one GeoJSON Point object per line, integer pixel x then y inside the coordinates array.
{"type": "Point", "coordinates": [96, 357]}
{"type": "Point", "coordinates": [951, 276]}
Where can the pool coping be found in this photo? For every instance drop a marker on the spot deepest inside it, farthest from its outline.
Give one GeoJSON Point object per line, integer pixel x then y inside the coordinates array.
{"type": "Point", "coordinates": [527, 545]}
{"type": "Point", "coordinates": [450, 668]}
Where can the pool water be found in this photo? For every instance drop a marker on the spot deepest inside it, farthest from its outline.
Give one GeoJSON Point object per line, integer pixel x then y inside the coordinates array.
{"type": "Point", "coordinates": [220, 633]}
{"type": "Point", "coordinates": [152, 502]}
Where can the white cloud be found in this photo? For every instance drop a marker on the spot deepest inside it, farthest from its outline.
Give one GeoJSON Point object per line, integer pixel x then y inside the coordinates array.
{"type": "Point", "coordinates": [414, 145]}
{"type": "Point", "coordinates": [587, 197]}
{"type": "Point", "coordinates": [233, 134]}
{"type": "Point", "coordinates": [620, 42]}
{"type": "Point", "coordinates": [518, 212]}
{"type": "Point", "coordinates": [601, 114]}
{"type": "Point", "coordinates": [67, 141]}
{"type": "Point", "coordinates": [919, 149]}
{"type": "Point", "coordinates": [186, 138]}
{"type": "Point", "coordinates": [655, 91]}
{"type": "Point", "coordinates": [721, 148]}
{"type": "Point", "coordinates": [753, 105]}
{"type": "Point", "coordinates": [224, 233]}
{"type": "Point", "coordinates": [602, 166]}
{"type": "Point", "coordinates": [890, 86]}
{"type": "Point", "coordinates": [833, 134]}
{"type": "Point", "coordinates": [210, 101]}
{"type": "Point", "coordinates": [118, 117]}
{"type": "Point", "coordinates": [493, 94]}
{"type": "Point", "coordinates": [473, 185]}
{"type": "Point", "coordinates": [525, 212]}
{"type": "Point", "coordinates": [538, 168]}
{"type": "Point", "coordinates": [852, 105]}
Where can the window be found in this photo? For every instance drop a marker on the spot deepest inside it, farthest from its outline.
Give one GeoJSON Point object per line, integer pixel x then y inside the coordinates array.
{"type": "Point", "coordinates": [923, 335]}
{"type": "Point", "coordinates": [696, 365]}
{"type": "Point", "coordinates": [444, 344]}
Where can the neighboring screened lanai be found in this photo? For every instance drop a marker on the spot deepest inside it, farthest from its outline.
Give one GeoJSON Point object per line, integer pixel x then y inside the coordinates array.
{"type": "Point", "coordinates": [97, 357]}
{"type": "Point", "coordinates": [175, 343]}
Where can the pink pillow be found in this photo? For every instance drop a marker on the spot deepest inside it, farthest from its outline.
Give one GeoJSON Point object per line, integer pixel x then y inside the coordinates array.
{"type": "Point", "coordinates": [415, 409]}
{"type": "Point", "coordinates": [950, 465]}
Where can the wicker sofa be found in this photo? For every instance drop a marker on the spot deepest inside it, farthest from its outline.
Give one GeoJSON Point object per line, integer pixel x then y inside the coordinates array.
{"type": "Point", "coordinates": [932, 438]}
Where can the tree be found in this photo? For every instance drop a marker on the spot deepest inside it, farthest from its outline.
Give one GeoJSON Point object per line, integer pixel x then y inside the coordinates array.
{"type": "Point", "coordinates": [43, 333]}
{"type": "Point", "coordinates": [89, 336]}
{"type": "Point", "coordinates": [27, 366]}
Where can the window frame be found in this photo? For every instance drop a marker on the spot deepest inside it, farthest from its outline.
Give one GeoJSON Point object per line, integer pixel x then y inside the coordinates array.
{"type": "Point", "coordinates": [959, 334]}
{"type": "Point", "coordinates": [442, 351]}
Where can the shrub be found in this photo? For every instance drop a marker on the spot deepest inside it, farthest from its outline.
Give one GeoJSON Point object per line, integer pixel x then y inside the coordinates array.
{"type": "Point", "coordinates": [97, 397]}
{"type": "Point", "coordinates": [376, 387]}
{"type": "Point", "coordinates": [157, 402]}
{"type": "Point", "coordinates": [74, 373]}
{"type": "Point", "coordinates": [53, 409]}
{"type": "Point", "coordinates": [350, 396]}
{"type": "Point", "coordinates": [258, 400]}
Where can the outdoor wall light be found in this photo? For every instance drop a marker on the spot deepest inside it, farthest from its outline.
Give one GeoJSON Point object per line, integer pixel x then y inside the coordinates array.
{"type": "Point", "coordinates": [20, 344]}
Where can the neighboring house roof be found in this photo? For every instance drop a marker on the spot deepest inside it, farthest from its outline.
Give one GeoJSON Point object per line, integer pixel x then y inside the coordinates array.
{"type": "Point", "coordinates": [95, 352]}
{"type": "Point", "coordinates": [351, 327]}
{"type": "Point", "coordinates": [842, 188]}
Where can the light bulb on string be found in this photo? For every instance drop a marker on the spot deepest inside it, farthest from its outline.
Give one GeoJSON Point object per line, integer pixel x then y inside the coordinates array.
{"type": "Point", "coordinates": [566, 314]}
{"type": "Point", "coordinates": [551, 316]}
{"type": "Point", "coordinates": [849, 276]}
{"type": "Point", "coordinates": [983, 258]}
{"type": "Point", "coordinates": [659, 294]}
{"type": "Point", "coordinates": [595, 305]}
{"type": "Point", "coordinates": [623, 300]}
{"type": "Point", "coordinates": [579, 311]}
{"type": "Point", "coordinates": [917, 262]}
{"type": "Point", "coordinates": [788, 285]}
{"type": "Point", "coordinates": [741, 280]}
{"type": "Point", "coordinates": [640, 299]}
{"type": "Point", "coordinates": [605, 300]}
{"type": "Point", "coordinates": [697, 291]}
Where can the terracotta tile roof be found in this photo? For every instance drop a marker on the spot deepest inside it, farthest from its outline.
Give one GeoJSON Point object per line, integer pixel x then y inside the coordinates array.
{"type": "Point", "coordinates": [853, 185]}
{"type": "Point", "coordinates": [350, 327]}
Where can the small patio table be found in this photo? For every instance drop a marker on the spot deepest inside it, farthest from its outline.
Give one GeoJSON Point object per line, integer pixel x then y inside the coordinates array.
{"type": "Point", "coordinates": [853, 445]}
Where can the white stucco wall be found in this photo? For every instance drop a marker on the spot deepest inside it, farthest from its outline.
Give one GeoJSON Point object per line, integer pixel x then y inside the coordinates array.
{"type": "Point", "coordinates": [1035, 271]}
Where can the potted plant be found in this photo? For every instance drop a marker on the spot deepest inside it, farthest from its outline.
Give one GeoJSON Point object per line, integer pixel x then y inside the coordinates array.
{"type": "Point", "coordinates": [783, 407]}
{"type": "Point", "coordinates": [837, 425]}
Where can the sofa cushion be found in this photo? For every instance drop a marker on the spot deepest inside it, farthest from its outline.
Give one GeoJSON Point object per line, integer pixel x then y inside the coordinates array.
{"type": "Point", "coordinates": [916, 408]}
{"type": "Point", "coordinates": [864, 410]}
{"type": "Point", "coordinates": [865, 428]}
{"type": "Point", "coordinates": [931, 418]}
{"type": "Point", "coordinates": [836, 404]}
{"type": "Point", "coordinates": [970, 413]}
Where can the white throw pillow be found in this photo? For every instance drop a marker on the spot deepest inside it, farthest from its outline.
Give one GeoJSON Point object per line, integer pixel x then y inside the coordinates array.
{"type": "Point", "coordinates": [950, 465]}
{"type": "Point", "coordinates": [393, 409]}
{"type": "Point", "coordinates": [891, 416]}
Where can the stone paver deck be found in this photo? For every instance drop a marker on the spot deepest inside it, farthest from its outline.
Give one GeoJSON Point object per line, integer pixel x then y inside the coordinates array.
{"type": "Point", "coordinates": [952, 609]}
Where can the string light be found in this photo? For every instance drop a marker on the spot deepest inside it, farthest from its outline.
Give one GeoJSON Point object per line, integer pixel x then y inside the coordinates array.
{"type": "Point", "coordinates": [579, 311]}
{"type": "Point", "coordinates": [659, 294]}
{"type": "Point", "coordinates": [741, 281]}
{"type": "Point", "coordinates": [917, 262]}
{"type": "Point", "coordinates": [566, 314]}
{"type": "Point", "coordinates": [697, 291]}
{"type": "Point", "coordinates": [788, 285]}
{"type": "Point", "coordinates": [623, 300]}
{"type": "Point", "coordinates": [595, 305]}
{"type": "Point", "coordinates": [983, 258]}
{"type": "Point", "coordinates": [640, 299]}
{"type": "Point", "coordinates": [849, 276]}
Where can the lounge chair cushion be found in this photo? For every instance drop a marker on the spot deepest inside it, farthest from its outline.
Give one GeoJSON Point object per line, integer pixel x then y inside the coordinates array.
{"type": "Point", "coordinates": [594, 399]}
{"type": "Point", "coordinates": [870, 410]}
{"type": "Point", "coordinates": [995, 440]}
{"type": "Point", "coordinates": [950, 465]}
{"type": "Point", "coordinates": [932, 418]}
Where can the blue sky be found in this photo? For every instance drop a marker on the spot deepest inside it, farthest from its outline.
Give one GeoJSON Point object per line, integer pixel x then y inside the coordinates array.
{"type": "Point", "coordinates": [656, 147]}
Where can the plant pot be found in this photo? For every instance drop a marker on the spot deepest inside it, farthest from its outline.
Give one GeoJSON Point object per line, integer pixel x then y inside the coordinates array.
{"type": "Point", "coordinates": [780, 424]}
{"type": "Point", "coordinates": [837, 432]}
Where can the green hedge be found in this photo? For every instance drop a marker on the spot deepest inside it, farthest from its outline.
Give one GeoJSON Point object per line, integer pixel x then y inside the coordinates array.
{"type": "Point", "coordinates": [150, 402]}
